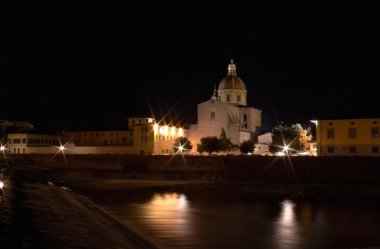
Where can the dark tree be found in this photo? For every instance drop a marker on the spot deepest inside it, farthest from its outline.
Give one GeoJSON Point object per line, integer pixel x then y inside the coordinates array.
{"type": "Point", "coordinates": [247, 147]}
{"type": "Point", "coordinates": [182, 142]}
{"type": "Point", "coordinates": [225, 143]}
{"type": "Point", "coordinates": [209, 145]}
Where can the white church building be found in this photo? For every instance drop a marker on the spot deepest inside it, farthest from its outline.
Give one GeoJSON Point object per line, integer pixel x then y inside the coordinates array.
{"type": "Point", "coordinates": [226, 109]}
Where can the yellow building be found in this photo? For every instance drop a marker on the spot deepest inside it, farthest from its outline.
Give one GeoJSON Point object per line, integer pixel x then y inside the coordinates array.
{"type": "Point", "coordinates": [143, 136]}
{"type": "Point", "coordinates": [348, 137]}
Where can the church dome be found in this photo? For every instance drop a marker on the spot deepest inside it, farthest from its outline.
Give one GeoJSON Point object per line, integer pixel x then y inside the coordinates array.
{"type": "Point", "coordinates": [231, 81]}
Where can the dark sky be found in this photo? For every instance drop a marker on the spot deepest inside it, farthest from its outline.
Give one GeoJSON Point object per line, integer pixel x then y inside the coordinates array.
{"type": "Point", "coordinates": [75, 65]}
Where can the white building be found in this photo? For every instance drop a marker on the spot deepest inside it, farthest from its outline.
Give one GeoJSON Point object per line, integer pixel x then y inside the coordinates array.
{"type": "Point", "coordinates": [263, 143]}
{"type": "Point", "coordinates": [227, 109]}
{"type": "Point", "coordinates": [33, 143]}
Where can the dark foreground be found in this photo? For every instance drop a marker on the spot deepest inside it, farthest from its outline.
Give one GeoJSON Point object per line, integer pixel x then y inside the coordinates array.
{"type": "Point", "coordinates": [39, 209]}
{"type": "Point", "coordinates": [35, 213]}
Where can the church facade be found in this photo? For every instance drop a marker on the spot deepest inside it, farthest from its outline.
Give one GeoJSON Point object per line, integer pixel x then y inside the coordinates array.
{"type": "Point", "coordinates": [227, 109]}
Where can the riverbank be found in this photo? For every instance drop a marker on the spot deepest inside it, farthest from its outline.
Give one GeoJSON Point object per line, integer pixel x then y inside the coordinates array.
{"type": "Point", "coordinates": [36, 213]}
{"type": "Point", "coordinates": [255, 169]}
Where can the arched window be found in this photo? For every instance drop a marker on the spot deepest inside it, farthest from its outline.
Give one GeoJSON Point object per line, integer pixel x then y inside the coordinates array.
{"type": "Point", "coordinates": [245, 121]}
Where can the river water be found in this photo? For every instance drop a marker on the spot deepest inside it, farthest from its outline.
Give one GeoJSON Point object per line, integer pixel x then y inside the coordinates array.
{"type": "Point", "coordinates": [207, 220]}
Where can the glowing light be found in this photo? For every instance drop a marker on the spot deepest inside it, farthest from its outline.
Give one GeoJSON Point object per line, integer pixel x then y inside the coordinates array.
{"type": "Point", "coordinates": [3, 147]}
{"type": "Point", "coordinates": [280, 153]}
{"type": "Point", "coordinates": [155, 128]}
{"type": "Point", "coordinates": [150, 120]}
{"type": "Point", "coordinates": [181, 147]}
{"type": "Point", "coordinates": [314, 121]}
{"type": "Point", "coordinates": [180, 132]}
{"type": "Point", "coordinates": [172, 131]}
{"type": "Point", "coordinates": [166, 130]}
{"type": "Point", "coordinates": [286, 148]}
{"type": "Point", "coordinates": [62, 148]}
{"type": "Point", "coordinates": [1, 184]}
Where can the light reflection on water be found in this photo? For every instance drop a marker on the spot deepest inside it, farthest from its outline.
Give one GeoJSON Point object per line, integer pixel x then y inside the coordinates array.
{"type": "Point", "coordinates": [286, 228]}
{"type": "Point", "coordinates": [169, 212]}
{"type": "Point", "coordinates": [204, 220]}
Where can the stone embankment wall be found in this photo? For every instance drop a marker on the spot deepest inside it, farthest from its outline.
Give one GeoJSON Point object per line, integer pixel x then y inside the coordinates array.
{"type": "Point", "coordinates": [254, 169]}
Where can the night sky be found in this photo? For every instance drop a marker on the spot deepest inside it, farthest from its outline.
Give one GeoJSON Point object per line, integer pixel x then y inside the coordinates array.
{"type": "Point", "coordinates": [72, 65]}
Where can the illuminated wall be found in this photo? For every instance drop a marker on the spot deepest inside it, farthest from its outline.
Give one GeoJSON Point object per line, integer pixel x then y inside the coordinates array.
{"type": "Point", "coordinates": [28, 143]}
{"type": "Point", "coordinates": [354, 137]}
{"type": "Point", "coordinates": [143, 137]}
{"type": "Point", "coordinates": [101, 138]}
{"type": "Point", "coordinates": [165, 136]}
{"type": "Point", "coordinates": [213, 116]}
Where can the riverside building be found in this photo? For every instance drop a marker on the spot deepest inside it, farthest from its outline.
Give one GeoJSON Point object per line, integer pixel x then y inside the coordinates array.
{"type": "Point", "coordinates": [227, 109]}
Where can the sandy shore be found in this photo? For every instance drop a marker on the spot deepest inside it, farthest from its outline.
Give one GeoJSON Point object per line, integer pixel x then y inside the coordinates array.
{"type": "Point", "coordinates": [36, 213]}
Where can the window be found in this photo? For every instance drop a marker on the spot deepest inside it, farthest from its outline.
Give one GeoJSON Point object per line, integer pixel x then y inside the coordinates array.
{"type": "Point", "coordinates": [228, 98]}
{"type": "Point", "coordinates": [133, 121]}
{"type": "Point", "coordinates": [375, 132]}
{"type": "Point", "coordinates": [212, 115]}
{"type": "Point", "coordinates": [16, 140]}
{"type": "Point", "coordinates": [238, 98]}
{"type": "Point", "coordinates": [352, 132]}
{"type": "Point", "coordinates": [124, 139]}
{"type": "Point", "coordinates": [352, 149]}
{"type": "Point", "coordinates": [219, 98]}
{"type": "Point", "coordinates": [330, 150]}
{"type": "Point", "coordinates": [245, 121]}
{"type": "Point", "coordinates": [331, 133]}
{"type": "Point", "coordinates": [375, 149]}
{"type": "Point", "coordinates": [24, 140]}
